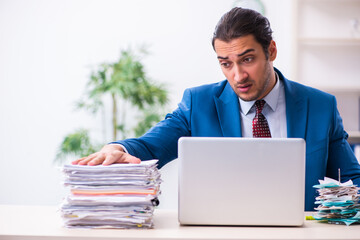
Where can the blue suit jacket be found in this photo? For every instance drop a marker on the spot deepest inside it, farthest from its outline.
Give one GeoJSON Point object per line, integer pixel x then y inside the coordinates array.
{"type": "Point", "coordinates": [213, 111]}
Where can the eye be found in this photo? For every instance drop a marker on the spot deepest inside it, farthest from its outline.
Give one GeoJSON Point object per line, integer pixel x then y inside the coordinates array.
{"type": "Point", "coordinates": [248, 59]}
{"type": "Point", "coordinates": [225, 64]}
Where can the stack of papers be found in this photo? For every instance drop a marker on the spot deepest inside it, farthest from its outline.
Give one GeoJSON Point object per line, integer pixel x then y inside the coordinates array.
{"type": "Point", "coordinates": [114, 196]}
{"type": "Point", "coordinates": [339, 202]}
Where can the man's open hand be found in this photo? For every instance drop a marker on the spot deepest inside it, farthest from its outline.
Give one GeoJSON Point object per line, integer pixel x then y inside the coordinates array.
{"type": "Point", "coordinates": [109, 154]}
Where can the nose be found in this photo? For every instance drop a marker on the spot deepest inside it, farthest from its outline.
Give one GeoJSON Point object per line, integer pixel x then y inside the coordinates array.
{"type": "Point", "coordinates": [239, 74]}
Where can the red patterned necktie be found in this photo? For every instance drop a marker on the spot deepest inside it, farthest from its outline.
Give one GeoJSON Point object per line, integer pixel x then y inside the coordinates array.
{"type": "Point", "coordinates": [259, 123]}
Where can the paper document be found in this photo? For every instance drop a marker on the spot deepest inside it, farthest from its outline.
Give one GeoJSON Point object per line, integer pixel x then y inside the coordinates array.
{"type": "Point", "coordinates": [114, 196]}
{"type": "Point", "coordinates": [338, 202]}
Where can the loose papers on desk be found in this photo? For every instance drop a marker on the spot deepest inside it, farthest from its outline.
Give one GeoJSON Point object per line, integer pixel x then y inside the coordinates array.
{"type": "Point", "coordinates": [339, 202]}
{"type": "Point", "coordinates": [114, 196]}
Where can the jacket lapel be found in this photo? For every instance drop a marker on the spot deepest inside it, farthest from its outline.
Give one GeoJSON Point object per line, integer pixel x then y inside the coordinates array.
{"type": "Point", "coordinates": [228, 110]}
{"type": "Point", "coordinates": [296, 110]}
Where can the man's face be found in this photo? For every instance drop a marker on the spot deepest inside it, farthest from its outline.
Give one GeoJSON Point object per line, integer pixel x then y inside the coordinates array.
{"type": "Point", "coordinates": [245, 66]}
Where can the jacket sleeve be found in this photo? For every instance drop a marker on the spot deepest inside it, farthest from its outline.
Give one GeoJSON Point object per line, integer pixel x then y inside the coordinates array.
{"type": "Point", "coordinates": [341, 155]}
{"type": "Point", "coordinates": [160, 142]}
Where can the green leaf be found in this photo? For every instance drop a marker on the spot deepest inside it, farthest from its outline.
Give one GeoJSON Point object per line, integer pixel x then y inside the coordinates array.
{"type": "Point", "coordinates": [149, 119]}
{"type": "Point", "coordinates": [76, 145]}
{"type": "Point", "coordinates": [127, 81]}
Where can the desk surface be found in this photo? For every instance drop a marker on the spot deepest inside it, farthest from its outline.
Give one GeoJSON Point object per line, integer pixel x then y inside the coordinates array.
{"type": "Point", "coordinates": [44, 222]}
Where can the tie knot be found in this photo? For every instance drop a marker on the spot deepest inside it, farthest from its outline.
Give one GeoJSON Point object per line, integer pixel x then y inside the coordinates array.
{"type": "Point", "coordinates": [259, 104]}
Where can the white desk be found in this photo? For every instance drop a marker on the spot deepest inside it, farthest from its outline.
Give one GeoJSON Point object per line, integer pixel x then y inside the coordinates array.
{"type": "Point", "coordinates": [41, 222]}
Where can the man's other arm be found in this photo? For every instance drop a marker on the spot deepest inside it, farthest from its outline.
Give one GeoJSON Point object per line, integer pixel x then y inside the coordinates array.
{"type": "Point", "coordinates": [160, 142]}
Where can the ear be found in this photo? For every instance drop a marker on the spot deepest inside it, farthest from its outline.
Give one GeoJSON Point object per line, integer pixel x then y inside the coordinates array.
{"type": "Point", "coordinates": [272, 50]}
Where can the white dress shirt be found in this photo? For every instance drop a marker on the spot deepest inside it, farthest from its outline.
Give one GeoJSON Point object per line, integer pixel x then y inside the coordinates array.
{"type": "Point", "coordinates": [274, 112]}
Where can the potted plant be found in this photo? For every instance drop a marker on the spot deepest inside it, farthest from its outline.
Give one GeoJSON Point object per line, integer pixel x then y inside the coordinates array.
{"type": "Point", "coordinates": [126, 82]}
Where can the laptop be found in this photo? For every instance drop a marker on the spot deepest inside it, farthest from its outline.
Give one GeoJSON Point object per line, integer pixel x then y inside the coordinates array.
{"type": "Point", "coordinates": [241, 181]}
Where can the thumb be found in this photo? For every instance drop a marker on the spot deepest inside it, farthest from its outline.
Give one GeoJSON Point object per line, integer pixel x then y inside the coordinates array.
{"type": "Point", "coordinates": [112, 158]}
{"type": "Point", "coordinates": [120, 157]}
{"type": "Point", "coordinates": [131, 159]}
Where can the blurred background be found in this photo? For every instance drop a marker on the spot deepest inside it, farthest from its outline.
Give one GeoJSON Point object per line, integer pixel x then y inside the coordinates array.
{"type": "Point", "coordinates": [49, 49]}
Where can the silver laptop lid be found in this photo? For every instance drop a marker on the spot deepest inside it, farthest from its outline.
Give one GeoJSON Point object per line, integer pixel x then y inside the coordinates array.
{"type": "Point", "coordinates": [241, 181]}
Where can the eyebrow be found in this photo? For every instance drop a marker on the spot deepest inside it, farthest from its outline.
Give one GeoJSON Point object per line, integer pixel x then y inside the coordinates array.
{"type": "Point", "coordinates": [239, 55]}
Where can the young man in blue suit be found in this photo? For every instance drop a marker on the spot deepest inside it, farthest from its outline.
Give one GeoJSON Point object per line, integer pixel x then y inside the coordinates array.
{"type": "Point", "coordinates": [245, 49]}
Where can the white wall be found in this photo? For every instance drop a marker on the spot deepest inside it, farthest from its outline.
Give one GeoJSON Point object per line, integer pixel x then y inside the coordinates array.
{"type": "Point", "coordinates": [47, 49]}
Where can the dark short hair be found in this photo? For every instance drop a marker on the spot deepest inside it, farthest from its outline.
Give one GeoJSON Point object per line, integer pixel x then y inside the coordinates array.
{"type": "Point", "coordinates": [239, 22]}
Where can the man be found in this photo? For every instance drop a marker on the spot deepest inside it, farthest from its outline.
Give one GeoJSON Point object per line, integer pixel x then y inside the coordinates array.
{"type": "Point", "coordinates": [256, 100]}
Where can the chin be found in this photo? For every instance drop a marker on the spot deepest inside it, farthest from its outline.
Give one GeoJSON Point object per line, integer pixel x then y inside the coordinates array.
{"type": "Point", "coordinates": [246, 98]}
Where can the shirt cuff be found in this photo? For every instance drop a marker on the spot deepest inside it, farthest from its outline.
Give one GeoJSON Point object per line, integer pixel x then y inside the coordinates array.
{"type": "Point", "coordinates": [125, 150]}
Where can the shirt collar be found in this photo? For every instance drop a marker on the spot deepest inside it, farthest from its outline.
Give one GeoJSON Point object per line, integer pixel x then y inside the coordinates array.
{"type": "Point", "coordinates": [271, 99]}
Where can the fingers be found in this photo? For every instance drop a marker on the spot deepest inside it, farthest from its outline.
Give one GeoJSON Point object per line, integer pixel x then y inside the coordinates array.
{"type": "Point", "coordinates": [75, 162]}
{"type": "Point", "coordinates": [120, 157]}
{"type": "Point", "coordinates": [84, 160]}
{"type": "Point", "coordinates": [98, 159]}
{"type": "Point", "coordinates": [107, 156]}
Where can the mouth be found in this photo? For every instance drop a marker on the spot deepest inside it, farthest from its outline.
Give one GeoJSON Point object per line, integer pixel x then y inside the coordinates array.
{"type": "Point", "coordinates": [244, 87]}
